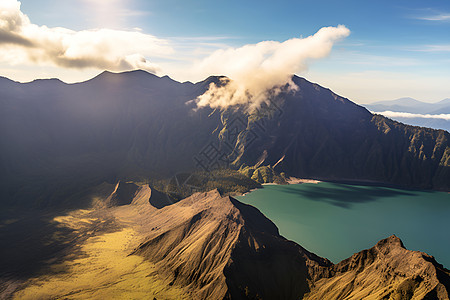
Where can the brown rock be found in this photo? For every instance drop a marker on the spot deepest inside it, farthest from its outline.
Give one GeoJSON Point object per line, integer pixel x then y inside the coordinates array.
{"type": "Point", "coordinates": [386, 271]}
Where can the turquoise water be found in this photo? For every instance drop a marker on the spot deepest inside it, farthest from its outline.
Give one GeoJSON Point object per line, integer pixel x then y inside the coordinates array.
{"type": "Point", "coordinates": [336, 220]}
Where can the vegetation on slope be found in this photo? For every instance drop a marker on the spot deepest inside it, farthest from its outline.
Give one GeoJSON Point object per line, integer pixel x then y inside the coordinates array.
{"type": "Point", "coordinates": [263, 174]}
{"type": "Point", "coordinates": [226, 181]}
{"type": "Point", "coordinates": [411, 155]}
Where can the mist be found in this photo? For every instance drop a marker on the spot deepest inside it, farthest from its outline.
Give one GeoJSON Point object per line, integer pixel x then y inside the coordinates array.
{"type": "Point", "coordinates": [394, 114]}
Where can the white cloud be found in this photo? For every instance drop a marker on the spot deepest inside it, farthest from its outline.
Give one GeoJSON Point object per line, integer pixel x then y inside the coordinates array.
{"type": "Point", "coordinates": [393, 114]}
{"type": "Point", "coordinates": [433, 48]}
{"type": "Point", "coordinates": [436, 17]}
{"type": "Point", "coordinates": [23, 42]}
{"type": "Point", "coordinates": [259, 69]}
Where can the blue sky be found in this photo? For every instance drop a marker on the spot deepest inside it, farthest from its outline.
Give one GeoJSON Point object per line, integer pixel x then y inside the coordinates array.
{"type": "Point", "coordinates": [395, 49]}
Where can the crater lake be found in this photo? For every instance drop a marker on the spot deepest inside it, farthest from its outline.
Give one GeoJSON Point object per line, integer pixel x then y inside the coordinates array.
{"type": "Point", "coordinates": [335, 220]}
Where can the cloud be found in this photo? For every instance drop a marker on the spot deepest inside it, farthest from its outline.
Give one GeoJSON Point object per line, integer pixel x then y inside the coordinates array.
{"type": "Point", "coordinates": [436, 17]}
{"type": "Point", "coordinates": [259, 71]}
{"type": "Point", "coordinates": [393, 114]}
{"type": "Point", "coordinates": [433, 48]}
{"type": "Point", "coordinates": [24, 42]}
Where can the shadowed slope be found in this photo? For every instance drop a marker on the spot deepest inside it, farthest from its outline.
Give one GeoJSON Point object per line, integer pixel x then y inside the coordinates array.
{"type": "Point", "coordinates": [325, 136]}
{"type": "Point", "coordinates": [123, 194]}
{"type": "Point", "coordinates": [58, 139]}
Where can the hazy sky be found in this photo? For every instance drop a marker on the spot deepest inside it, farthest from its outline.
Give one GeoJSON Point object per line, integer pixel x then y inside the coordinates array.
{"type": "Point", "coordinates": [394, 49]}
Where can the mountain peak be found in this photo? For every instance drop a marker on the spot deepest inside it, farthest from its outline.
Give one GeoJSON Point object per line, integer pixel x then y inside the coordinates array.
{"type": "Point", "coordinates": [445, 101]}
{"type": "Point", "coordinates": [46, 82]}
{"type": "Point", "coordinates": [392, 241]}
{"type": "Point", "coordinates": [405, 101]}
{"type": "Point", "coordinates": [216, 79]}
{"type": "Point", "coordinates": [132, 75]}
{"type": "Point", "coordinates": [123, 194]}
{"type": "Point", "coordinates": [5, 79]}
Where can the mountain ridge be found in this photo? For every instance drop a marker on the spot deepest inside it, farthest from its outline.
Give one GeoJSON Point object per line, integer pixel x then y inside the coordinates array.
{"type": "Point", "coordinates": [410, 105]}
{"type": "Point", "coordinates": [60, 138]}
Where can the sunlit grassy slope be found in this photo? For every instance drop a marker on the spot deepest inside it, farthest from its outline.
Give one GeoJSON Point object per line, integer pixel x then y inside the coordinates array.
{"type": "Point", "coordinates": [104, 270]}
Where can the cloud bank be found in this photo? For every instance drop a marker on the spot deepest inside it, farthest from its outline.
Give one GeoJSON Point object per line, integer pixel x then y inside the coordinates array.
{"type": "Point", "coordinates": [394, 114]}
{"type": "Point", "coordinates": [260, 71]}
{"type": "Point", "coordinates": [22, 41]}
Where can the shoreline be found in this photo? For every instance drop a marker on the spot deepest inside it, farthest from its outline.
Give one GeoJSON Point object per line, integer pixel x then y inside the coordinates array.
{"type": "Point", "coordinates": [295, 180]}
{"type": "Point", "coordinates": [290, 180]}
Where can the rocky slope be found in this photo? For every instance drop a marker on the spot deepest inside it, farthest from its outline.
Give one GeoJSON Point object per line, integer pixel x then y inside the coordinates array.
{"type": "Point", "coordinates": [386, 271]}
{"type": "Point", "coordinates": [221, 248]}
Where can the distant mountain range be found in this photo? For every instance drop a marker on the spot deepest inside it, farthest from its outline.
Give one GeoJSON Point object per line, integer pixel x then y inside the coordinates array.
{"type": "Point", "coordinates": [414, 112]}
{"type": "Point", "coordinates": [58, 138]}
{"type": "Point", "coordinates": [411, 105]}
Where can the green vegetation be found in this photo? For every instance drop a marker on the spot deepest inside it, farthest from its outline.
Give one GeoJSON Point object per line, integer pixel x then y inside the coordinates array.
{"type": "Point", "coordinates": [263, 174]}
{"type": "Point", "coordinates": [226, 181]}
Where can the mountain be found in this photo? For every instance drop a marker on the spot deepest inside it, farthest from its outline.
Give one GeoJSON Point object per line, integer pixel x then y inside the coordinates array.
{"type": "Point", "coordinates": [312, 139]}
{"type": "Point", "coordinates": [59, 139]}
{"type": "Point", "coordinates": [386, 271]}
{"type": "Point", "coordinates": [419, 111]}
{"type": "Point", "coordinates": [209, 246]}
{"type": "Point", "coordinates": [411, 105]}
{"type": "Point", "coordinates": [445, 109]}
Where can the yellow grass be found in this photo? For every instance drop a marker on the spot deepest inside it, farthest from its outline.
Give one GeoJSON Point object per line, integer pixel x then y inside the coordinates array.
{"type": "Point", "coordinates": [104, 272]}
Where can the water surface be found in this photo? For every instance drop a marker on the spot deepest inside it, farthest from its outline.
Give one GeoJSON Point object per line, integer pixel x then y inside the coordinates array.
{"type": "Point", "coordinates": [336, 220]}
